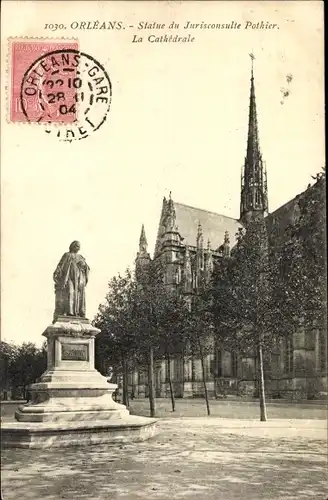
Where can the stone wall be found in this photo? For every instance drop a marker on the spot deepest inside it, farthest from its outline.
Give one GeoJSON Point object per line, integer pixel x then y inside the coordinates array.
{"type": "Point", "coordinates": [300, 374]}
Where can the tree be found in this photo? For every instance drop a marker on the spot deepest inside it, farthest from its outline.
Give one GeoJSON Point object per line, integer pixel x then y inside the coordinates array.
{"type": "Point", "coordinates": [308, 240]}
{"type": "Point", "coordinates": [302, 257]}
{"type": "Point", "coordinates": [172, 330]}
{"type": "Point", "coordinates": [301, 285]}
{"type": "Point", "coordinates": [224, 306]}
{"type": "Point", "coordinates": [265, 292]}
{"type": "Point", "coordinates": [7, 357]}
{"type": "Point", "coordinates": [140, 322]}
{"type": "Point", "coordinates": [242, 299]}
{"type": "Point", "coordinates": [27, 364]}
{"type": "Point", "coordinates": [117, 343]}
{"type": "Point", "coordinates": [200, 331]}
{"type": "Point", "coordinates": [150, 302]}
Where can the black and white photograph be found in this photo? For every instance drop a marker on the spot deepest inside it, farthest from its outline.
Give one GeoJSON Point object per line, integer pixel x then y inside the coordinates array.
{"type": "Point", "coordinates": [163, 250]}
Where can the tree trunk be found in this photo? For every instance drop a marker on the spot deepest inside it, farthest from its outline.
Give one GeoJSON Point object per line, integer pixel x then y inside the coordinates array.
{"type": "Point", "coordinates": [263, 413]}
{"type": "Point", "coordinates": [170, 381]}
{"type": "Point", "coordinates": [125, 383]}
{"type": "Point", "coordinates": [183, 373]}
{"type": "Point", "coordinates": [204, 377]}
{"type": "Point", "coordinates": [151, 382]}
{"type": "Point", "coordinates": [133, 387]}
{"type": "Point", "coordinates": [205, 387]}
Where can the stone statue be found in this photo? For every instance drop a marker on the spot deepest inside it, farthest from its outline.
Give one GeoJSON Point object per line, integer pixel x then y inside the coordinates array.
{"type": "Point", "coordinates": [71, 278]}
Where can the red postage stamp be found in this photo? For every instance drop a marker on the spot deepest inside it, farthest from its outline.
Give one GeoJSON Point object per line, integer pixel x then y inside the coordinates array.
{"type": "Point", "coordinates": [53, 82]}
{"type": "Point", "coordinates": [43, 79]}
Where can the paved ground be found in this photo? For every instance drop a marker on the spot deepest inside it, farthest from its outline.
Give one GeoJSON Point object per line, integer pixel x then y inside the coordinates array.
{"type": "Point", "coordinates": [191, 458]}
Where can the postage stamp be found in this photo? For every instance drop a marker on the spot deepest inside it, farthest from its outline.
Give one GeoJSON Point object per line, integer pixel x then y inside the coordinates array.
{"type": "Point", "coordinates": [31, 85]}
{"type": "Point", "coordinates": [56, 83]}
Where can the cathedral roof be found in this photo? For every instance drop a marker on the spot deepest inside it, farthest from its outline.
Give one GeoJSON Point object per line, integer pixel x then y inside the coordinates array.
{"type": "Point", "coordinates": [213, 225]}
{"type": "Point", "coordinates": [287, 215]}
{"type": "Point", "coordinates": [285, 212]}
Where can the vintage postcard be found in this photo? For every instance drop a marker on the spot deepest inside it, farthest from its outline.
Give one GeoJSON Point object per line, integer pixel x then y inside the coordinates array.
{"type": "Point", "coordinates": [163, 250]}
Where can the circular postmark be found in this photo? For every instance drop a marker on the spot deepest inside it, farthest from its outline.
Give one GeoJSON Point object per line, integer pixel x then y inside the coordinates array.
{"type": "Point", "coordinates": [66, 87]}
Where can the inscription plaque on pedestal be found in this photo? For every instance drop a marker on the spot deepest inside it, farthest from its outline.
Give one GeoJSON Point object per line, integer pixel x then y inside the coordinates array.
{"type": "Point", "coordinates": [75, 352]}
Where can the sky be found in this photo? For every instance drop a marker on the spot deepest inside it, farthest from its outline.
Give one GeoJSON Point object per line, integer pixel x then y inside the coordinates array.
{"type": "Point", "coordinates": [178, 122]}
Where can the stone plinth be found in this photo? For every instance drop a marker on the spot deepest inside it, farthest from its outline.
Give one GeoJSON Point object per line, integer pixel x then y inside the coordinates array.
{"type": "Point", "coordinates": [57, 435]}
{"type": "Point", "coordinates": [72, 403]}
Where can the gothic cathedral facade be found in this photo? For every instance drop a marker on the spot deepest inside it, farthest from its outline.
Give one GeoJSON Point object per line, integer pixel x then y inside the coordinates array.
{"type": "Point", "coordinates": [189, 242]}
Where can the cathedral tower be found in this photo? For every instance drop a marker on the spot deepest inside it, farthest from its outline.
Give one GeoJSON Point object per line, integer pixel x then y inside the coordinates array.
{"type": "Point", "coordinates": [171, 245]}
{"type": "Point", "coordinates": [254, 192]}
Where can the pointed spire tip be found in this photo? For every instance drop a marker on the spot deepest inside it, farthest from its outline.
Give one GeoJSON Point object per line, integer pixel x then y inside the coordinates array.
{"type": "Point", "coordinates": [143, 239]}
{"type": "Point", "coordinates": [251, 55]}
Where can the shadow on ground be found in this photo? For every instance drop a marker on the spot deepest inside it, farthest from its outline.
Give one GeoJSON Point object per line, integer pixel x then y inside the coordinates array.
{"type": "Point", "coordinates": [187, 459]}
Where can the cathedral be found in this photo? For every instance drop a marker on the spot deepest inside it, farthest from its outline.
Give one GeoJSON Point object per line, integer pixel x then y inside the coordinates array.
{"type": "Point", "coordinates": [189, 242]}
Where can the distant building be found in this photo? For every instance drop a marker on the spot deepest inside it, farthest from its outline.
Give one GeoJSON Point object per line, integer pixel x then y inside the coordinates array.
{"type": "Point", "coordinates": [189, 242]}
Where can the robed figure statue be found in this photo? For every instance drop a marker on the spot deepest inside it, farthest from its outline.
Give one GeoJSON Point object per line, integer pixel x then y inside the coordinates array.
{"type": "Point", "coordinates": [71, 277]}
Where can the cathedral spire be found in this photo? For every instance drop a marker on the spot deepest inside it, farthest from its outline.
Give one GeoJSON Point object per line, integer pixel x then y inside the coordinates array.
{"type": "Point", "coordinates": [254, 196]}
{"type": "Point", "coordinates": [170, 214]}
{"type": "Point", "coordinates": [143, 240]}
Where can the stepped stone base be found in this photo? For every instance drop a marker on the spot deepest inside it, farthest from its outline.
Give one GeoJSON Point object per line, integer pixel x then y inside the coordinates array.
{"type": "Point", "coordinates": [71, 404]}
{"type": "Point", "coordinates": [56, 435]}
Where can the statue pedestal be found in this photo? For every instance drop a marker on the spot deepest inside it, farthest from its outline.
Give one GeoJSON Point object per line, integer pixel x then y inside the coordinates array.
{"type": "Point", "coordinates": [72, 402]}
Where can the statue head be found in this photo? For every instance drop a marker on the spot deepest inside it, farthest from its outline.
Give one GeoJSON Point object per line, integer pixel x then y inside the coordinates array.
{"type": "Point", "coordinates": [74, 246]}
